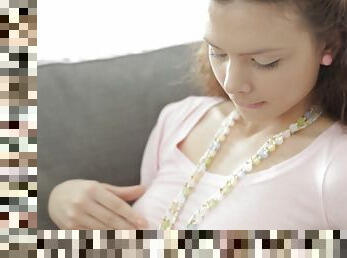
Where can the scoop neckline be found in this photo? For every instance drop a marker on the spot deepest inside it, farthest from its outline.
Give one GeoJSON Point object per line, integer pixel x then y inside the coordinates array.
{"type": "Point", "coordinates": [260, 173]}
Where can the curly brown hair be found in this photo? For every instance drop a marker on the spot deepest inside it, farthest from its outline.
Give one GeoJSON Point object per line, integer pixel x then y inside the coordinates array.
{"type": "Point", "coordinates": [327, 20]}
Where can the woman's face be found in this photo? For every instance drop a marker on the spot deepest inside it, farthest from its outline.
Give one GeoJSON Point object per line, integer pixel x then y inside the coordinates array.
{"type": "Point", "coordinates": [265, 53]}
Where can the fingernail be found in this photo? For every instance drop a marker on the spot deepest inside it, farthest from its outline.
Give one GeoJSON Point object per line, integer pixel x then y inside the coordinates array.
{"type": "Point", "coordinates": [141, 223]}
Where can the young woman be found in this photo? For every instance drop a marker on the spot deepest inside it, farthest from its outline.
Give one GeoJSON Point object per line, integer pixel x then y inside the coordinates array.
{"type": "Point", "coordinates": [264, 149]}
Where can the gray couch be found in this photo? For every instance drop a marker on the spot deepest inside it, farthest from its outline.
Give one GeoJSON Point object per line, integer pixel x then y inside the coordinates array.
{"type": "Point", "coordinates": [94, 117]}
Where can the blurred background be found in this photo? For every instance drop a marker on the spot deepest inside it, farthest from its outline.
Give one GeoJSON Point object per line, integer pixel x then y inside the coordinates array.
{"type": "Point", "coordinates": [73, 31]}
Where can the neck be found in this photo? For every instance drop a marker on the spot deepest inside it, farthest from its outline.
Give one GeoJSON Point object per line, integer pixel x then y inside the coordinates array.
{"type": "Point", "coordinates": [274, 125]}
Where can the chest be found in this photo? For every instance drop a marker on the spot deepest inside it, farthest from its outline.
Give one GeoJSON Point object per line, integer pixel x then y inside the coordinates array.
{"type": "Point", "coordinates": [235, 150]}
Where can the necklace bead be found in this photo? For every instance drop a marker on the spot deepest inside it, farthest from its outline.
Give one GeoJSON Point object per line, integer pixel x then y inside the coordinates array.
{"type": "Point", "coordinates": [248, 165]}
{"type": "Point", "coordinates": [187, 190]}
{"type": "Point", "coordinates": [279, 140]}
{"type": "Point", "coordinates": [196, 176]}
{"type": "Point", "coordinates": [255, 160]}
{"type": "Point", "coordinates": [293, 128]}
{"type": "Point", "coordinates": [286, 133]}
{"type": "Point", "coordinates": [301, 121]}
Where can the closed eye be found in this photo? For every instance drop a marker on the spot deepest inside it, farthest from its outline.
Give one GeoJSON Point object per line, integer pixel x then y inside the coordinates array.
{"type": "Point", "coordinates": [261, 66]}
{"type": "Point", "coordinates": [267, 66]}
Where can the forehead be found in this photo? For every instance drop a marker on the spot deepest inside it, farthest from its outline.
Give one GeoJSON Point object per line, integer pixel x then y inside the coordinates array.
{"type": "Point", "coordinates": [241, 23]}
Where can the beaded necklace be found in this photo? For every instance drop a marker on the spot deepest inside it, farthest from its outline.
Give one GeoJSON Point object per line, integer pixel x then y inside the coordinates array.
{"type": "Point", "coordinates": [177, 204]}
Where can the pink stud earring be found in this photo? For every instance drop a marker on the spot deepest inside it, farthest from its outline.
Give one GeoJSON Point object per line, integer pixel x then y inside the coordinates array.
{"type": "Point", "coordinates": [327, 59]}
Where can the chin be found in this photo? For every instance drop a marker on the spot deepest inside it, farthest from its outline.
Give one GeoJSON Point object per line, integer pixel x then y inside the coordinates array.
{"type": "Point", "coordinates": [254, 115]}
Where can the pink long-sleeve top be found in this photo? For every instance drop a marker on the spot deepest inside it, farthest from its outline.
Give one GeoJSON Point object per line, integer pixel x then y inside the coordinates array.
{"type": "Point", "coordinates": [307, 191]}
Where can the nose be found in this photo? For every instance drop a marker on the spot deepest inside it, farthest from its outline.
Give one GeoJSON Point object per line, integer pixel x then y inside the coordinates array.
{"type": "Point", "coordinates": [236, 79]}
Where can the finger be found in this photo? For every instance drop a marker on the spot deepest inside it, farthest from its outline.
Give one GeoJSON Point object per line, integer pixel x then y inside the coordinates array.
{"type": "Point", "coordinates": [107, 217]}
{"type": "Point", "coordinates": [127, 193]}
{"type": "Point", "coordinates": [118, 206]}
{"type": "Point", "coordinates": [88, 222]}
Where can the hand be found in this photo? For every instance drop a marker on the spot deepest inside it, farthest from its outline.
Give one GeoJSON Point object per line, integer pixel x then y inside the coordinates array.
{"type": "Point", "coordinates": [89, 204]}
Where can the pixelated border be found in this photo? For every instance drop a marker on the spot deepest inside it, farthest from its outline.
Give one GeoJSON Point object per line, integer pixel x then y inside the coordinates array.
{"type": "Point", "coordinates": [191, 243]}
{"type": "Point", "coordinates": [18, 215]}
{"type": "Point", "coordinates": [18, 125]}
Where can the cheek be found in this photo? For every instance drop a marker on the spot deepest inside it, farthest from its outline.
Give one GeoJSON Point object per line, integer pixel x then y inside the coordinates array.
{"type": "Point", "coordinates": [309, 72]}
{"type": "Point", "coordinates": [218, 69]}
{"type": "Point", "coordinates": [298, 79]}
{"type": "Point", "coordinates": [302, 69]}
{"type": "Point", "coordinates": [287, 90]}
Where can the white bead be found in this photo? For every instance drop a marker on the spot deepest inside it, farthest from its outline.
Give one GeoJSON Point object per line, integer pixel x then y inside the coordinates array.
{"type": "Point", "coordinates": [220, 131]}
{"type": "Point", "coordinates": [231, 123]}
{"type": "Point", "coordinates": [226, 131]}
{"type": "Point", "coordinates": [241, 173]}
{"type": "Point", "coordinates": [209, 153]}
{"type": "Point", "coordinates": [248, 165]}
{"type": "Point", "coordinates": [180, 198]}
{"type": "Point", "coordinates": [293, 128]}
{"type": "Point", "coordinates": [201, 168]}
{"type": "Point", "coordinates": [204, 157]}
{"type": "Point", "coordinates": [225, 123]}
{"type": "Point", "coordinates": [286, 133]}
{"type": "Point", "coordinates": [263, 153]}
{"type": "Point", "coordinates": [217, 196]}
{"type": "Point", "coordinates": [215, 146]}
{"type": "Point", "coordinates": [236, 115]}
{"type": "Point", "coordinates": [279, 140]}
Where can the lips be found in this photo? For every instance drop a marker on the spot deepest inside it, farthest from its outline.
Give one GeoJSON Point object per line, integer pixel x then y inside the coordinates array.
{"type": "Point", "coordinates": [253, 105]}
{"type": "Point", "coordinates": [257, 103]}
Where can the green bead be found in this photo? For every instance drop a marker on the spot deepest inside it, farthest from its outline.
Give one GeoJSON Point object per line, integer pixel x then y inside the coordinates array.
{"type": "Point", "coordinates": [208, 161]}
{"type": "Point", "coordinates": [301, 121]}
{"type": "Point", "coordinates": [211, 203]}
{"type": "Point", "coordinates": [165, 224]}
{"type": "Point", "coordinates": [225, 189]}
{"type": "Point", "coordinates": [255, 160]}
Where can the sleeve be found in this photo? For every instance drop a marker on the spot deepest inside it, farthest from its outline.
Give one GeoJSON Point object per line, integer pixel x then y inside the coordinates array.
{"type": "Point", "coordinates": [150, 158]}
{"type": "Point", "coordinates": [170, 117]}
{"type": "Point", "coordinates": [334, 190]}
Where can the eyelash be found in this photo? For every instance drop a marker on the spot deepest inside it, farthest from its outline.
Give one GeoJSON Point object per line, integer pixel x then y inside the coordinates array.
{"type": "Point", "coordinates": [268, 66]}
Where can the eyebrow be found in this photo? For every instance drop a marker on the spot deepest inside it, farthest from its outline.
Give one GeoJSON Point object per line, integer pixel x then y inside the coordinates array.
{"type": "Point", "coordinates": [258, 51]}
